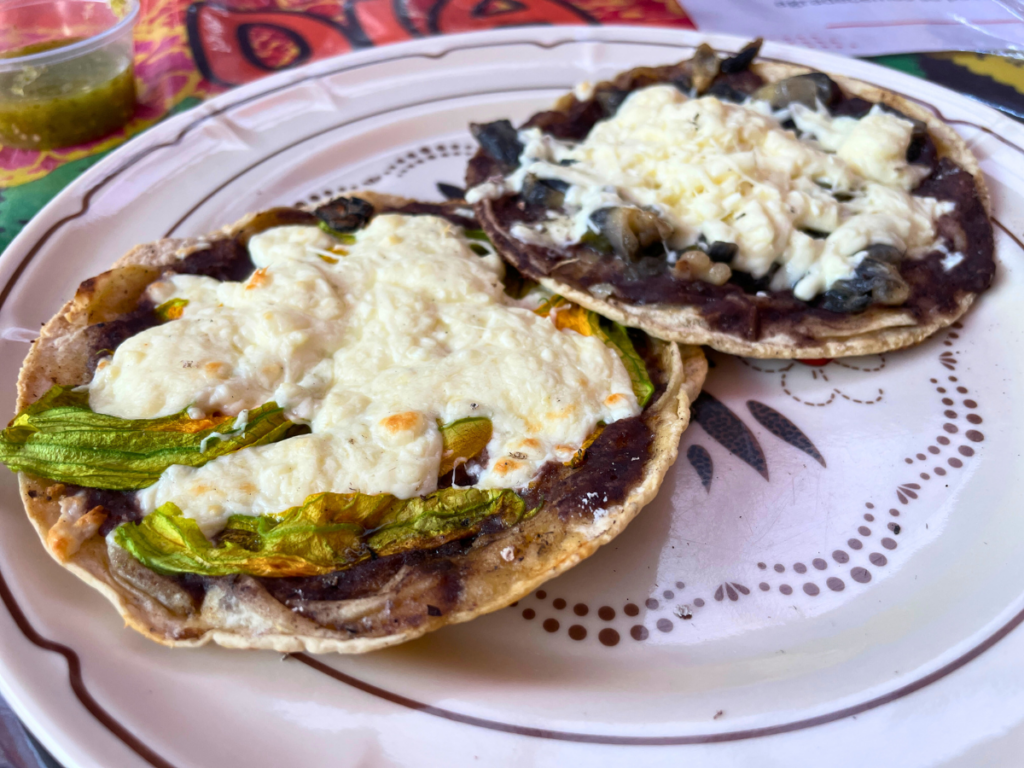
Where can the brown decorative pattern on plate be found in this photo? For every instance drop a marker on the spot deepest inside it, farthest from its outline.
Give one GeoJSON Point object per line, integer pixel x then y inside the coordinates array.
{"type": "Point", "coordinates": [853, 563]}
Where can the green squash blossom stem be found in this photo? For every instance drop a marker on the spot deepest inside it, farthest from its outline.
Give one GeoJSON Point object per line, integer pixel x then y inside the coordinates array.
{"type": "Point", "coordinates": [329, 532]}
{"type": "Point", "coordinates": [59, 437]}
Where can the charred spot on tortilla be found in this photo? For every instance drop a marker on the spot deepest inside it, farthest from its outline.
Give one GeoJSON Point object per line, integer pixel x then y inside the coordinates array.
{"type": "Point", "coordinates": [761, 208]}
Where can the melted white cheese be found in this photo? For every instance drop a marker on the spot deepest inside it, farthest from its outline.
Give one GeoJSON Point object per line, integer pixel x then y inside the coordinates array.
{"type": "Point", "coordinates": [408, 329]}
{"type": "Point", "coordinates": [731, 173]}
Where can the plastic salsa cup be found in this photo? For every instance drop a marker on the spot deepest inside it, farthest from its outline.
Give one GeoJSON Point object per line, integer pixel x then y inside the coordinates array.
{"type": "Point", "coordinates": [66, 73]}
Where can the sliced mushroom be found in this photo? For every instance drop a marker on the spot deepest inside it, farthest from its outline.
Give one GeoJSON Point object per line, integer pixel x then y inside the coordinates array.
{"type": "Point", "coordinates": [499, 140]}
{"type": "Point", "coordinates": [876, 280]}
{"type": "Point", "coordinates": [345, 214]}
{"type": "Point", "coordinates": [628, 230]}
{"type": "Point", "coordinates": [549, 193]}
{"type": "Point", "coordinates": [613, 225]}
{"type": "Point", "coordinates": [742, 60]}
{"type": "Point", "coordinates": [704, 67]}
{"type": "Point", "coordinates": [887, 286]}
{"type": "Point", "coordinates": [649, 227]}
{"type": "Point", "coordinates": [802, 89]}
{"type": "Point", "coordinates": [843, 297]}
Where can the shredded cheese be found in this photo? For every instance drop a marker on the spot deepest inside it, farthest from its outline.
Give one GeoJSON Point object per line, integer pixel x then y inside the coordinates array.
{"type": "Point", "coordinates": [731, 173]}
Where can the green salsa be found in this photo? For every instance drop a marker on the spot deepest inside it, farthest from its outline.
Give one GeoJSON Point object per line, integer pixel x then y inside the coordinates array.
{"type": "Point", "coordinates": [66, 103]}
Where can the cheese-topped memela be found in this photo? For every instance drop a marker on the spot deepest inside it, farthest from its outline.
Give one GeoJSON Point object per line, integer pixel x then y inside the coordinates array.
{"type": "Point", "coordinates": [731, 173]}
{"type": "Point", "coordinates": [373, 345]}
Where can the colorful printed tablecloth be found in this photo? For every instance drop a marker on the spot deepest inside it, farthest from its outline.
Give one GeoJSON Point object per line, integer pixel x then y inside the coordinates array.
{"type": "Point", "coordinates": [188, 51]}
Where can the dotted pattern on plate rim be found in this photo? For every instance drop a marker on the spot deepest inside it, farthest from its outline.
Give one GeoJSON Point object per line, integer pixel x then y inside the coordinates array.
{"type": "Point", "coordinates": [398, 168]}
{"type": "Point", "coordinates": [661, 612]}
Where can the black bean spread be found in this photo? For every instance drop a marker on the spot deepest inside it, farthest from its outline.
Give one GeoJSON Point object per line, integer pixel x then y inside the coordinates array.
{"type": "Point", "coordinates": [743, 306]}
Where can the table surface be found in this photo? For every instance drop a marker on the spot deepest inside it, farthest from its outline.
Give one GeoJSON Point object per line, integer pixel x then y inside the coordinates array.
{"type": "Point", "coordinates": [169, 81]}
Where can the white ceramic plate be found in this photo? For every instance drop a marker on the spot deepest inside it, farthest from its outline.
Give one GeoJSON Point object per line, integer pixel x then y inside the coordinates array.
{"type": "Point", "coordinates": [831, 572]}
